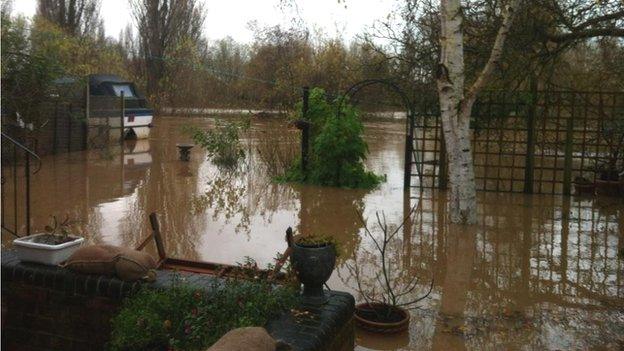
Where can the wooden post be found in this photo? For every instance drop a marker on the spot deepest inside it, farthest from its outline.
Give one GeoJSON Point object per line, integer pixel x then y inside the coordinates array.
{"type": "Point", "coordinates": [305, 131]}
{"type": "Point", "coordinates": [123, 117]}
{"type": "Point", "coordinates": [529, 163]}
{"type": "Point", "coordinates": [153, 217]}
{"type": "Point", "coordinates": [567, 164]}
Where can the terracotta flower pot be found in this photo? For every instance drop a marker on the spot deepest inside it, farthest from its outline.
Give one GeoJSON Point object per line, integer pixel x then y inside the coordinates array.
{"type": "Point", "coordinates": [608, 187]}
{"type": "Point", "coordinates": [584, 188]}
{"type": "Point", "coordinates": [367, 318]}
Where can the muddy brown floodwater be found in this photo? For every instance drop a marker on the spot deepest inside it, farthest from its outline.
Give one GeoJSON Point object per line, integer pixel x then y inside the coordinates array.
{"type": "Point", "coordinates": [538, 272]}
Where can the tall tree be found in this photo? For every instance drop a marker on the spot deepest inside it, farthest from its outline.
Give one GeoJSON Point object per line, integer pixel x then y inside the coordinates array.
{"type": "Point", "coordinates": [456, 103]}
{"type": "Point", "coordinates": [163, 24]}
{"type": "Point", "coordinates": [77, 17]}
{"type": "Point", "coordinates": [559, 25]}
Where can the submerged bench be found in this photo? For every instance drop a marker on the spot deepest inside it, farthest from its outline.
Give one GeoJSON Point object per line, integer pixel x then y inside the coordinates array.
{"type": "Point", "coordinates": [51, 308]}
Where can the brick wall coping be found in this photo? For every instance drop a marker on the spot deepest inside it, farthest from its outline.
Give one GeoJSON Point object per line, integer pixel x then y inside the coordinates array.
{"type": "Point", "coordinates": [314, 332]}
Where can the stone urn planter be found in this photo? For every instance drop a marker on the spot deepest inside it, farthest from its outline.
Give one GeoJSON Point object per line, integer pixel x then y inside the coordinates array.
{"type": "Point", "coordinates": [48, 249]}
{"type": "Point", "coordinates": [381, 318]}
{"type": "Point", "coordinates": [185, 151]}
{"type": "Point", "coordinates": [314, 262]}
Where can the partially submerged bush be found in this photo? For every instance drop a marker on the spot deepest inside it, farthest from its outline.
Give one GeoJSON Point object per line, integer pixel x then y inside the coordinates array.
{"type": "Point", "coordinates": [278, 148]}
{"type": "Point", "coordinates": [338, 149]}
{"type": "Point", "coordinates": [222, 143]}
{"type": "Point", "coordinates": [183, 318]}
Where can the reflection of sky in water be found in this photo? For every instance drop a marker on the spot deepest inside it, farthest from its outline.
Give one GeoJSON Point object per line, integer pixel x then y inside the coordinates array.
{"type": "Point", "coordinates": [533, 260]}
{"type": "Point", "coordinates": [113, 214]}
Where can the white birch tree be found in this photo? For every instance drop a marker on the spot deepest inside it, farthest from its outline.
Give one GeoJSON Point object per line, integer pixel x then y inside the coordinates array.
{"type": "Point", "coordinates": [456, 103]}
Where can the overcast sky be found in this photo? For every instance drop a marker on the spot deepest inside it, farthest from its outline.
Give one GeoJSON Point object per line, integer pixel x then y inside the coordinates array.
{"type": "Point", "coordinates": [231, 17]}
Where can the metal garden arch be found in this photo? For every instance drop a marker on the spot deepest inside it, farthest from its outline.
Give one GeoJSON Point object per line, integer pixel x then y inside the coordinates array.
{"type": "Point", "coordinates": [410, 154]}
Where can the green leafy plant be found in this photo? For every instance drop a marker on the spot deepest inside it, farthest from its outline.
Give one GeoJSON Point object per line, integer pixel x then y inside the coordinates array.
{"type": "Point", "coordinates": [56, 233]}
{"type": "Point", "coordinates": [58, 227]}
{"type": "Point", "coordinates": [222, 143]}
{"type": "Point", "coordinates": [183, 318]}
{"type": "Point", "coordinates": [319, 241]}
{"type": "Point", "coordinates": [338, 149]}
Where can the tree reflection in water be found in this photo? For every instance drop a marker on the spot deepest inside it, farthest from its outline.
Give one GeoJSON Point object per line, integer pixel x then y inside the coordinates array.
{"type": "Point", "coordinates": [538, 272]}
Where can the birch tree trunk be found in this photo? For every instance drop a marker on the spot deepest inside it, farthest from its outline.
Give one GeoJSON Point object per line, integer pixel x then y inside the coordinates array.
{"type": "Point", "coordinates": [456, 104]}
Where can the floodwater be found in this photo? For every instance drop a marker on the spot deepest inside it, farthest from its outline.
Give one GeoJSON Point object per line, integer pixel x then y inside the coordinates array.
{"type": "Point", "coordinates": [538, 272]}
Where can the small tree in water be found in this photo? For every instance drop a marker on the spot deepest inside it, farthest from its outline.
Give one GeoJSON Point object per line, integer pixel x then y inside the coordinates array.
{"type": "Point", "coordinates": [222, 143]}
{"type": "Point", "coordinates": [337, 148]}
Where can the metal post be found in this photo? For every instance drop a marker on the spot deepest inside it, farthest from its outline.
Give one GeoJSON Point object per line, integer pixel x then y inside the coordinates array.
{"type": "Point", "coordinates": [15, 188]}
{"type": "Point", "coordinates": [68, 113]}
{"type": "Point", "coordinates": [567, 164]}
{"type": "Point", "coordinates": [305, 131]}
{"type": "Point", "coordinates": [409, 149]}
{"type": "Point", "coordinates": [55, 135]}
{"type": "Point", "coordinates": [27, 169]}
{"type": "Point", "coordinates": [443, 169]}
{"type": "Point", "coordinates": [530, 151]}
{"type": "Point", "coordinates": [85, 126]}
{"type": "Point", "coordinates": [123, 116]}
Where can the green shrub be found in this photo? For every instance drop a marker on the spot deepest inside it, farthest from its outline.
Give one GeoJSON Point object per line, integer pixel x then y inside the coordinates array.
{"type": "Point", "coordinates": [222, 143]}
{"type": "Point", "coordinates": [183, 318]}
{"type": "Point", "coordinates": [337, 150]}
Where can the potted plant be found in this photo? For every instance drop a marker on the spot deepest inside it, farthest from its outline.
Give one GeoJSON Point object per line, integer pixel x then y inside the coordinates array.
{"type": "Point", "coordinates": [313, 258]}
{"type": "Point", "coordinates": [50, 248]}
{"type": "Point", "coordinates": [392, 290]}
{"type": "Point", "coordinates": [584, 186]}
{"type": "Point", "coordinates": [611, 165]}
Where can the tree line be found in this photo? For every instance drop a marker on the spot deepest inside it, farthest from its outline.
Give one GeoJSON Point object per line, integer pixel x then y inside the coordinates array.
{"type": "Point", "coordinates": [561, 44]}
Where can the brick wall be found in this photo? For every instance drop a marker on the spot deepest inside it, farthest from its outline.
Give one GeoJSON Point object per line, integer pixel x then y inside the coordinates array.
{"type": "Point", "coordinates": [51, 308]}
{"type": "Point", "coordinates": [38, 318]}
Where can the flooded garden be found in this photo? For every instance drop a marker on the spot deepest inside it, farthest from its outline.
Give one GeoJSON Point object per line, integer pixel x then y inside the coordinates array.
{"type": "Point", "coordinates": [274, 175]}
{"type": "Point", "coordinates": [537, 272]}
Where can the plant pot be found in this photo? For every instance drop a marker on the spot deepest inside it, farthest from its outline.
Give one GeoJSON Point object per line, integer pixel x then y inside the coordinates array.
{"type": "Point", "coordinates": [367, 319]}
{"type": "Point", "coordinates": [30, 251]}
{"type": "Point", "coordinates": [584, 189]}
{"type": "Point", "coordinates": [608, 187]}
{"type": "Point", "coordinates": [314, 265]}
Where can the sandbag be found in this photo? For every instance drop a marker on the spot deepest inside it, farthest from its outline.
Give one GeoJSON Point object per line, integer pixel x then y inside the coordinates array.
{"type": "Point", "coordinates": [133, 265]}
{"type": "Point", "coordinates": [94, 259]}
{"type": "Point", "coordinates": [125, 263]}
{"type": "Point", "coordinates": [248, 339]}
